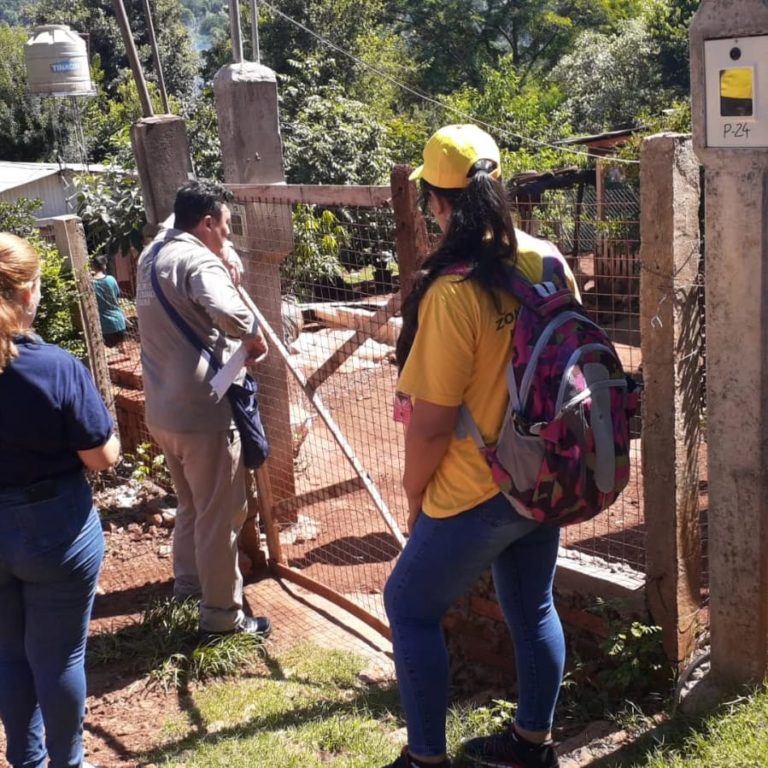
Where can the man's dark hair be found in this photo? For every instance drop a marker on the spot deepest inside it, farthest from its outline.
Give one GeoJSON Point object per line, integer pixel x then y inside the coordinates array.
{"type": "Point", "coordinates": [197, 199]}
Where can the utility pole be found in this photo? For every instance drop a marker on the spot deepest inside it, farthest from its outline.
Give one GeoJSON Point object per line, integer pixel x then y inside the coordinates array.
{"type": "Point", "coordinates": [133, 57]}
{"type": "Point", "coordinates": [156, 57]}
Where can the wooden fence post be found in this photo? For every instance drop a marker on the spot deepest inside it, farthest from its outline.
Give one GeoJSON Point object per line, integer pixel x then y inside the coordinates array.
{"type": "Point", "coordinates": [671, 342]}
{"type": "Point", "coordinates": [70, 241]}
{"type": "Point", "coordinates": [411, 237]}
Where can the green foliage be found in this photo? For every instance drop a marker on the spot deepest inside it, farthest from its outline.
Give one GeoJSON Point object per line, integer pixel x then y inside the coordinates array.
{"type": "Point", "coordinates": [107, 119]}
{"type": "Point", "coordinates": [635, 653]}
{"type": "Point", "coordinates": [112, 209]}
{"type": "Point", "coordinates": [202, 130]}
{"type": "Point", "coordinates": [14, 12]}
{"type": "Point", "coordinates": [467, 721]}
{"type": "Point", "coordinates": [148, 464]}
{"type": "Point", "coordinates": [58, 302]}
{"type": "Point", "coordinates": [635, 657]}
{"type": "Point", "coordinates": [164, 644]}
{"type": "Point", "coordinates": [177, 55]}
{"type": "Point", "coordinates": [515, 107]}
{"type": "Point", "coordinates": [454, 40]}
{"type": "Point", "coordinates": [676, 119]}
{"type": "Point", "coordinates": [608, 79]}
{"type": "Point", "coordinates": [32, 128]}
{"type": "Point", "coordinates": [628, 675]}
{"type": "Point", "coordinates": [345, 23]}
{"type": "Point", "coordinates": [328, 137]}
{"type": "Point", "coordinates": [668, 24]}
{"type": "Point", "coordinates": [318, 239]}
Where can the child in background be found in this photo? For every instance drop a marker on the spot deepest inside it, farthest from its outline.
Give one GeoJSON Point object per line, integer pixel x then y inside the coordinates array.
{"type": "Point", "coordinates": [107, 293]}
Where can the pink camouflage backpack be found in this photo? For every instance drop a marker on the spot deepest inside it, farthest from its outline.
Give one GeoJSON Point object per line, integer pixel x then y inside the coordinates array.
{"type": "Point", "coordinates": [562, 455]}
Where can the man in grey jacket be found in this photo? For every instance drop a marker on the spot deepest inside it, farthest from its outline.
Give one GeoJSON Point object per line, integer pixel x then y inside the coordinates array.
{"type": "Point", "coordinates": [196, 433]}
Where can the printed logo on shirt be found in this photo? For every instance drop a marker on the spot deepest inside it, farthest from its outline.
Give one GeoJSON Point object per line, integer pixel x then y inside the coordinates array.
{"type": "Point", "coordinates": [502, 321]}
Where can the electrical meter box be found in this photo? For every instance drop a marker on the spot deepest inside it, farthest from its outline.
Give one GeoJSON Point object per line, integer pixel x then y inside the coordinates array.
{"type": "Point", "coordinates": [736, 83]}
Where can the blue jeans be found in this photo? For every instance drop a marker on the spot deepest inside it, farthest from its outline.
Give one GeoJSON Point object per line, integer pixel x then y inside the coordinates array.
{"type": "Point", "coordinates": [440, 562]}
{"type": "Point", "coordinates": [51, 547]}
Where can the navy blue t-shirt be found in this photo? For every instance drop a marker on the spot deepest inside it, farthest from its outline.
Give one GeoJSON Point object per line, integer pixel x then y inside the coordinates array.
{"type": "Point", "coordinates": [49, 410]}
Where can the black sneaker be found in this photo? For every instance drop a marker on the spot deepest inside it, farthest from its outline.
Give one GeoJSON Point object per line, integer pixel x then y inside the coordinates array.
{"type": "Point", "coordinates": [259, 626]}
{"type": "Point", "coordinates": [405, 760]}
{"type": "Point", "coordinates": [508, 750]}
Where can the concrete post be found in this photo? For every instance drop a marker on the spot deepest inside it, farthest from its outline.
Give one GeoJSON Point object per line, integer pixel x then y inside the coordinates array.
{"type": "Point", "coordinates": [737, 338]}
{"type": "Point", "coordinates": [252, 152]}
{"type": "Point", "coordinates": [671, 346]}
{"type": "Point", "coordinates": [161, 150]}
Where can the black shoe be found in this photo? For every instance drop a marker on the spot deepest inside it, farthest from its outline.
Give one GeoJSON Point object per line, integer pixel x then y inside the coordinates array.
{"type": "Point", "coordinates": [405, 760]}
{"type": "Point", "coordinates": [258, 626]}
{"type": "Point", "coordinates": [508, 750]}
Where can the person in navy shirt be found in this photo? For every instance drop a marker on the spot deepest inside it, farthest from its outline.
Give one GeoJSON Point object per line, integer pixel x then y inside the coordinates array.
{"type": "Point", "coordinates": [53, 426]}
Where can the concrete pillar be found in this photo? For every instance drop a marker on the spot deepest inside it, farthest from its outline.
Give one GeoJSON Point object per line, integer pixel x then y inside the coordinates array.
{"type": "Point", "coordinates": [672, 347]}
{"type": "Point", "coordinates": [252, 153]}
{"type": "Point", "coordinates": [246, 104]}
{"type": "Point", "coordinates": [737, 342]}
{"type": "Point", "coordinates": [161, 150]}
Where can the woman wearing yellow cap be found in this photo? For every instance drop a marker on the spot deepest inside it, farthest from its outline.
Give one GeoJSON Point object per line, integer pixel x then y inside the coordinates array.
{"type": "Point", "coordinates": [453, 351]}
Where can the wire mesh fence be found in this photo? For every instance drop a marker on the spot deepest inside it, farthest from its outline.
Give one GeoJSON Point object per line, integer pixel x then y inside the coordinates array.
{"type": "Point", "coordinates": [324, 270]}
{"type": "Point", "coordinates": [600, 237]}
{"type": "Point", "coordinates": [336, 494]}
{"type": "Point", "coordinates": [331, 528]}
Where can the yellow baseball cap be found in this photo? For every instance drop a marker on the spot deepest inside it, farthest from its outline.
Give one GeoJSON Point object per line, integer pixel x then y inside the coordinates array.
{"type": "Point", "coordinates": [450, 154]}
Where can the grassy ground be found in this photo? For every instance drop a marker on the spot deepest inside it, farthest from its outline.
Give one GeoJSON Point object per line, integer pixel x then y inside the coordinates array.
{"type": "Point", "coordinates": [736, 736]}
{"type": "Point", "coordinates": [309, 708]}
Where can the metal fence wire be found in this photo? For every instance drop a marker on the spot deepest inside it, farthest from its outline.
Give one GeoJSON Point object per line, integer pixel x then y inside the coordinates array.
{"type": "Point", "coordinates": [331, 528]}
{"type": "Point", "coordinates": [325, 272]}
{"type": "Point", "coordinates": [601, 240]}
{"type": "Point", "coordinates": [338, 285]}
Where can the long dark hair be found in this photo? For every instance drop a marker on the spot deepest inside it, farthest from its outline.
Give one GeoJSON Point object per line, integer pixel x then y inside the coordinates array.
{"type": "Point", "coordinates": [480, 234]}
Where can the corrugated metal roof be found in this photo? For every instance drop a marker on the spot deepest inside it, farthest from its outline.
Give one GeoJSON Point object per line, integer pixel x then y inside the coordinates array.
{"type": "Point", "coordinates": [13, 174]}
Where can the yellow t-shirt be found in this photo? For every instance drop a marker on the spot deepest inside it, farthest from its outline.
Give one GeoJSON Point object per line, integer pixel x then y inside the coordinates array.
{"type": "Point", "coordinates": [459, 356]}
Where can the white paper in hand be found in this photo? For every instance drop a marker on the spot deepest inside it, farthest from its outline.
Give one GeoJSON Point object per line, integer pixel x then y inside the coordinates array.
{"type": "Point", "coordinates": [227, 373]}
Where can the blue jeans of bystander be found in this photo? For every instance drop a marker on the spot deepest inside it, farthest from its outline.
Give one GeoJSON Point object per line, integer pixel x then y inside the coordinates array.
{"type": "Point", "coordinates": [51, 547]}
{"type": "Point", "coordinates": [440, 562]}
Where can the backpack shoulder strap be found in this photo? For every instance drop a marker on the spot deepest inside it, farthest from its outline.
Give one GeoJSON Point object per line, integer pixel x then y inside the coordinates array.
{"type": "Point", "coordinates": [176, 318]}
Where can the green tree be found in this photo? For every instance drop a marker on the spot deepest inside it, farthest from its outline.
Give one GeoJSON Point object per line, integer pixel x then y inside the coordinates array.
{"type": "Point", "coordinates": [32, 128]}
{"type": "Point", "coordinates": [608, 79]}
{"type": "Point", "coordinates": [107, 119]}
{"type": "Point", "coordinates": [329, 138]}
{"type": "Point", "coordinates": [177, 55]}
{"type": "Point", "coordinates": [346, 24]}
{"type": "Point", "coordinates": [456, 39]}
{"type": "Point", "coordinates": [668, 23]}
{"type": "Point", "coordinates": [15, 13]}
{"type": "Point", "coordinates": [112, 209]}
{"type": "Point", "coordinates": [318, 238]}
{"type": "Point", "coordinates": [202, 130]}
{"type": "Point", "coordinates": [518, 113]}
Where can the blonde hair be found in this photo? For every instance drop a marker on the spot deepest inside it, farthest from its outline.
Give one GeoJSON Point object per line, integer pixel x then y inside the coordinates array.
{"type": "Point", "coordinates": [19, 266]}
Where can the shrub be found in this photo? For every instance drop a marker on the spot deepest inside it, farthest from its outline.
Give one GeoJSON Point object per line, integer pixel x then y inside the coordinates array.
{"type": "Point", "coordinates": [55, 321]}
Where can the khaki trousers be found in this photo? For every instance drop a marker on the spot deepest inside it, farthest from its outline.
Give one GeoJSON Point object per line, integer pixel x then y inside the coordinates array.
{"type": "Point", "coordinates": [208, 474]}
